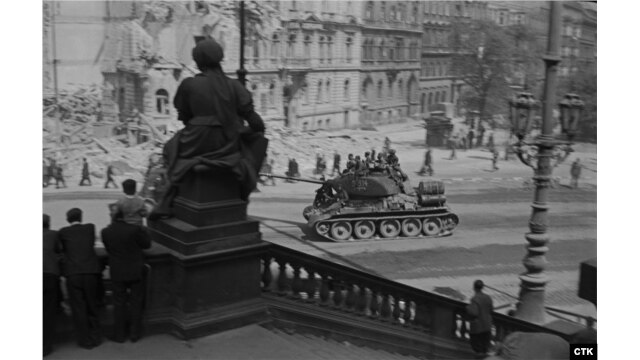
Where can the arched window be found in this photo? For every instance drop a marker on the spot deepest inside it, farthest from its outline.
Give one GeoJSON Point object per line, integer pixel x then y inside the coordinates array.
{"type": "Point", "coordinates": [348, 44]}
{"type": "Point", "coordinates": [430, 99]}
{"type": "Point", "coordinates": [390, 94]}
{"type": "Point", "coordinates": [381, 51]}
{"type": "Point", "coordinates": [329, 49]}
{"type": "Point", "coordinates": [319, 93]}
{"type": "Point", "coordinates": [291, 46]}
{"type": "Point", "coordinates": [346, 90]}
{"type": "Point", "coordinates": [380, 89]}
{"type": "Point", "coordinates": [162, 102]}
{"type": "Point", "coordinates": [437, 97]}
{"type": "Point", "coordinates": [400, 89]}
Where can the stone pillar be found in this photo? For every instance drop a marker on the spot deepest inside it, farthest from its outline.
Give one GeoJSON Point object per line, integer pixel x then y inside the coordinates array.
{"type": "Point", "coordinates": [209, 278]}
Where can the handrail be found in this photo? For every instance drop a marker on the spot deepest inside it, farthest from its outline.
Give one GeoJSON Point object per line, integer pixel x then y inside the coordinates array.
{"type": "Point", "coordinates": [320, 282]}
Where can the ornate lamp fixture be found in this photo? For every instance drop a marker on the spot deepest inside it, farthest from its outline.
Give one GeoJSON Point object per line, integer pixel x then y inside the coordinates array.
{"type": "Point", "coordinates": [571, 108]}
{"type": "Point", "coordinates": [523, 107]}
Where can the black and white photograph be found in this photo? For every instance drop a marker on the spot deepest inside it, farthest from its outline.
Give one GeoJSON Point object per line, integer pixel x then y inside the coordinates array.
{"type": "Point", "coordinates": [319, 179]}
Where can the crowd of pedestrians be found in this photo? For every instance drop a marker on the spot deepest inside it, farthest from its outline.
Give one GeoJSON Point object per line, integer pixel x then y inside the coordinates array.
{"type": "Point", "coordinates": [69, 254]}
{"type": "Point", "coordinates": [53, 175]}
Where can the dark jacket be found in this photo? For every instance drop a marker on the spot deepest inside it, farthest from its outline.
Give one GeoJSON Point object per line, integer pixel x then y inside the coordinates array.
{"type": "Point", "coordinates": [50, 252]}
{"type": "Point", "coordinates": [78, 243]}
{"type": "Point", "coordinates": [480, 310]}
{"type": "Point", "coordinates": [124, 244]}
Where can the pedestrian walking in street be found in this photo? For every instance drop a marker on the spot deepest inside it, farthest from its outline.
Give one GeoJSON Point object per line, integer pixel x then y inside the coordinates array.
{"type": "Point", "coordinates": [51, 171]}
{"type": "Point", "coordinates": [82, 270]}
{"type": "Point", "coordinates": [452, 146]}
{"type": "Point", "coordinates": [124, 243]}
{"type": "Point", "coordinates": [470, 137]}
{"type": "Point", "coordinates": [481, 131]}
{"type": "Point", "coordinates": [336, 163]}
{"type": "Point", "coordinates": [59, 175]}
{"type": "Point", "coordinates": [85, 172]}
{"type": "Point", "coordinates": [427, 166]}
{"type": "Point", "coordinates": [494, 160]}
{"type": "Point", "coordinates": [576, 170]}
{"type": "Point", "coordinates": [51, 251]}
{"type": "Point", "coordinates": [110, 174]}
{"type": "Point", "coordinates": [479, 312]}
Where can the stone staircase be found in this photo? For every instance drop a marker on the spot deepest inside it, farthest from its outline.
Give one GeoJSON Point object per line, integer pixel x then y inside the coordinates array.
{"type": "Point", "coordinates": [322, 348]}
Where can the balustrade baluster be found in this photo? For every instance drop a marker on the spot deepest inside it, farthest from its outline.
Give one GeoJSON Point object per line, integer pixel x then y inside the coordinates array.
{"type": "Point", "coordinates": [266, 273]}
{"type": "Point", "coordinates": [296, 284]}
{"type": "Point", "coordinates": [361, 301]}
{"type": "Point", "coordinates": [395, 314]}
{"type": "Point", "coordinates": [324, 290]}
{"type": "Point", "coordinates": [422, 316]}
{"type": "Point", "coordinates": [385, 308]}
{"type": "Point", "coordinates": [463, 326]}
{"type": "Point", "coordinates": [407, 312]}
{"type": "Point", "coordinates": [350, 300]}
{"type": "Point", "coordinates": [310, 286]}
{"type": "Point", "coordinates": [337, 294]}
{"type": "Point", "coordinates": [283, 282]}
{"type": "Point", "coordinates": [374, 304]}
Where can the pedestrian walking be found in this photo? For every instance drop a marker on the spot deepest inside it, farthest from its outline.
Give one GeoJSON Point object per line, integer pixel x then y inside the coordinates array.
{"type": "Point", "coordinates": [110, 174]}
{"type": "Point", "coordinates": [452, 146]}
{"type": "Point", "coordinates": [479, 312]}
{"type": "Point", "coordinates": [427, 166]}
{"type": "Point", "coordinates": [51, 171]}
{"type": "Point", "coordinates": [59, 175]}
{"type": "Point", "coordinates": [470, 137]}
{"type": "Point", "coordinates": [494, 160]}
{"type": "Point", "coordinates": [124, 243]}
{"type": "Point", "coordinates": [51, 251]}
{"type": "Point", "coordinates": [85, 172]}
{"type": "Point", "coordinates": [576, 170]}
{"type": "Point", "coordinates": [336, 163]}
{"type": "Point", "coordinates": [82, 270]}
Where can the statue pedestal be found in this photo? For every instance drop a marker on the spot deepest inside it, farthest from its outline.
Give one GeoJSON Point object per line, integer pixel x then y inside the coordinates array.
{"type": "Point", "coordinates": [205, 274]}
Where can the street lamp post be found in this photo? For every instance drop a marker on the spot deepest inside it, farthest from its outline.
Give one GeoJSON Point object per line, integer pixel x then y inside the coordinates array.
{"type": "Point", "coordinates": [242, 72]}
{"type": "Point", "coordinates": [545, 149]}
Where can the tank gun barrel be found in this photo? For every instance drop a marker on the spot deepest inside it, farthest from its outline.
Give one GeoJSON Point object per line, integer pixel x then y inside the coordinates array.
{"type": "Point", "coordinates": [292, 178]}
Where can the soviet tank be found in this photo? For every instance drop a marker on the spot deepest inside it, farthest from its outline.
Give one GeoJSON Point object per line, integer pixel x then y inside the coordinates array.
{"type": "Point", "coordinates": [378, 205]}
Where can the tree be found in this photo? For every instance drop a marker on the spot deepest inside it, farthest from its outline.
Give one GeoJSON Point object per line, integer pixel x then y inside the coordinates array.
{"type": "Point", "coordinates": [482, 58]}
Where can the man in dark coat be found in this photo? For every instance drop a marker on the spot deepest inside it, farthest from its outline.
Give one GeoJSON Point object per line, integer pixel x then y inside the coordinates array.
{"type": "Point", "coordinates": [213, 108]}
{"type": "Point", "coordinates": [336, 163]}
{"type": "Point", "coordinates": [427, 167]}
{"type": "Point", "coordinates": [124, 243]}
{"type": "Point", "coordinates": [82, 270]}
{"type": "Point", "coordinates": [51, 276]}
{"type": "Point", "coordinates": [479, 311]}
{"type": "Point", "coordinates": [576, 170]}
{"type": "Point", "coordinates": [110, 178]}
{"type": "Point", "coordinates": [59, 175]}
{"type": "Point", "coordinates": [85, 172]}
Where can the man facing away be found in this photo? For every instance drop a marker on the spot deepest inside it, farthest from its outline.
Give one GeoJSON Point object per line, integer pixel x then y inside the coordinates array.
{"type": "Point", "coordinates": [132, 205]}
{"type": "Point", "coordinates": [85, 172]}
{"type": "Point", "coordinates": [479, 311]}
{"type": "Point", "coordinates": [124, 243]}
{"type": "Point", "coordinates": [82, 270]}
{"type": "Point", "coordinates": [51, 275]}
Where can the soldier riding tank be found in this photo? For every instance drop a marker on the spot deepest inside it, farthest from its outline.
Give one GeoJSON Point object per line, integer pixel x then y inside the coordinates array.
{"type": "Point", "coordinates": [378, 203]}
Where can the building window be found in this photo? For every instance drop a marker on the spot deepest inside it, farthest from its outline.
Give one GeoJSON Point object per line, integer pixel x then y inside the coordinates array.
{"type": "Point", "coordinates": [328, 89]}
{"type": "Point", "coordinates": [307, 47]}
{"type": "Point", "coordinates": [321, 49]}
{"type": "Point", "coordinates": [380, 89]}
{"type": "Point", "coordinates": [272, 95]}
{"type": "Point", "coordinates": [390, 94]}
{"type": "Point", "coordinates": [319, 93]}
{"type": "Point", "coordinates": [275, 45]}
{"type": "Point", "coordinates": [329, 49]}
{"type": "Point", "coordinates": [402, 12]}
{"type": "Point", "coordinates": [346, 90]}
{"type": "Point", "coordinates": [162, 102]}
{"type": "Point", "coordinates": [393, 13]}
{"type": "Point", "coordinates": [290, 46]}
{"type": "Point", "coordinates": [349, 43]}
{"type": "Point", "coordinates": [400, 89]}
{"type": "Point", "coordinates": [381, 53]}
{"type": "Point", "coordinates": [369, 11]}
{"type": "Point", "coordinates": [383, 11]}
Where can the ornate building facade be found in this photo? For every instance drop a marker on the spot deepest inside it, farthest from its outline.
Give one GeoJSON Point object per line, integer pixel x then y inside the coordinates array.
{"type": "Point", "coordinates": [390, 72]}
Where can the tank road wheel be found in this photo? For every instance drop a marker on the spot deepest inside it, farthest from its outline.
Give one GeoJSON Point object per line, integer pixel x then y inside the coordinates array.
{"type": "Point", "coordinates": [389, 228]}
{"type": "Point", "coordinates": [431, 227]}
{"type": "Point", "coordinates": [364, 229]}
{"type": "Point", "coordinates": [341, 230]}
{"type": "Point", "coordinates": [322, 228]}
{"type": "Point", "coordinates": [411, 227]}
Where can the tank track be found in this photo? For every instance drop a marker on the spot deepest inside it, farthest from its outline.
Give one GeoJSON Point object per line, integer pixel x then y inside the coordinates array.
{"type": "Point", "coordinates": [349, 228]}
